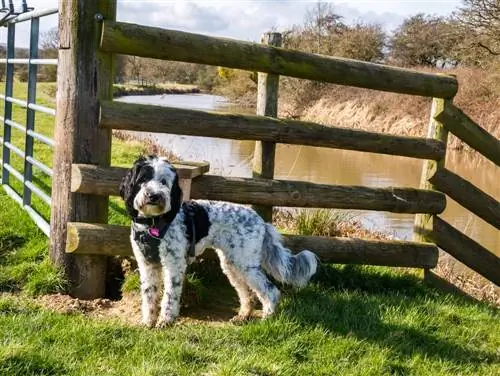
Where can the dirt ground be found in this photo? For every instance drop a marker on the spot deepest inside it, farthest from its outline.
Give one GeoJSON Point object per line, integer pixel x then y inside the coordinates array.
{"type": "Point", "coordinates": [128, 309]}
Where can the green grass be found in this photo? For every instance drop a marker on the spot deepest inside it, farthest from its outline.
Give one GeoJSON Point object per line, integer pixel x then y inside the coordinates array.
{"type": "Point", "coordinates": [352, 321]}
{"type": "Point", "coordinates": [349, 321]}
{"type": "Point", "coordinates": [24, 264]}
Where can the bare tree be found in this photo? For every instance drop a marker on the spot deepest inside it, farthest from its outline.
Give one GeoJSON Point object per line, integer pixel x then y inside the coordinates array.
{"type": "Point", "coordinates": [50, 39]}
{"type": "Point", "coordinates": [481, 20]}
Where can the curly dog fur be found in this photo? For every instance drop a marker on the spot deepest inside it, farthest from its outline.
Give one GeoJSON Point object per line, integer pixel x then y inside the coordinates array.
{"type": "Point", "coordinates": [168, 234]}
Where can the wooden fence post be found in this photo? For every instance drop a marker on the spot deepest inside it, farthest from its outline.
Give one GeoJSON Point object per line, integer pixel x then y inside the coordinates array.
{"type": "Point", "coordinates": [84, 76]}
{"type": "Point", "coordinates": [267, 105]}
{"type": "Point", "coordinates": [424, 222]}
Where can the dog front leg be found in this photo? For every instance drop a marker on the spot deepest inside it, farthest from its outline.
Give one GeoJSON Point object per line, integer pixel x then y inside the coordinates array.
{"type": "Point", "coordinates": [150, 275]}
{"type": "Point", "coordinates": [174, 270]}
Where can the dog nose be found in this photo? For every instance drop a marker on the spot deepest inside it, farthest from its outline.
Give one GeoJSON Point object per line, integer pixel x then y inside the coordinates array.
{"type": "Point", "coordinates": [154, 197]}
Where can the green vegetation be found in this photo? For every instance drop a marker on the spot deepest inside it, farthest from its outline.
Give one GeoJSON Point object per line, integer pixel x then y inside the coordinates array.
{"type": "Point", "coordinates": [24, 264]}
{"type": "Point", "coordinates": [350, 320]}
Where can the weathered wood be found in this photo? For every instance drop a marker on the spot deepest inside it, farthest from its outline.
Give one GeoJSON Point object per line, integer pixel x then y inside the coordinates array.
{"type": "Point", "coordinates": [458, 123]}
{"type": "Point", "coordinates": [290, 193]}
{"type": "Point", "coordinates": [112, 240]}
{"type": "Point", "coordinates": [305, 194]}
{"type": "Point", "coordinates": [267, 105]}
{"type": "Point", "coordinates": [131, 39]}
{"type": "Point", "coordinates": [465, 250]}
{"type": "Point", "coordinates": [436, 130]}
{"type": "Point", "coordinates": [84, 76]}
{"type": "Point", "coordinates": [91, 179]}
{"type": "Point", "coordinates": [159, 119]}
{"type": "Point", "coordinates": [467, 195]}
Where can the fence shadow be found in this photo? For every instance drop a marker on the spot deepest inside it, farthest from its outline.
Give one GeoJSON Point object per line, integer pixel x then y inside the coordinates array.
{"type": "Point", "coordinates": [351, 302]}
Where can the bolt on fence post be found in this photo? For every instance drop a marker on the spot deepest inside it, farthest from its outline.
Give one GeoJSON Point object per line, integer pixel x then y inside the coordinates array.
{"type": "Point", "coordinates": [267, 105]}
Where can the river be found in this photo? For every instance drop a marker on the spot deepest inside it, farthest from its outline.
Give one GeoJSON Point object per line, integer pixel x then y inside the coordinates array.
{"type": "Point", "coordinates": [331, 166]}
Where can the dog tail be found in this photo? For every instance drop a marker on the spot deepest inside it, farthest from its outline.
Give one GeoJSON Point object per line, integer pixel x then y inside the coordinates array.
{"type": "Point", "coordinates": [278, 261]}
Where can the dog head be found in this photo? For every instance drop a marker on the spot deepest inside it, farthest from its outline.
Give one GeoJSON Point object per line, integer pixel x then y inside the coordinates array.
{"type": "Point", "coordinates": [151, 188]}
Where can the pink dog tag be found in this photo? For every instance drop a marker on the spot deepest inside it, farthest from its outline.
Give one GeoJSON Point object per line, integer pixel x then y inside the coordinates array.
{"type": "Point", "coordinates": [154, 232]}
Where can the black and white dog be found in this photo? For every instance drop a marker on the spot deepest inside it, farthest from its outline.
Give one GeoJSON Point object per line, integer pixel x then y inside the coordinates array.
{"type": "Point", "coordinates": [167, 234]}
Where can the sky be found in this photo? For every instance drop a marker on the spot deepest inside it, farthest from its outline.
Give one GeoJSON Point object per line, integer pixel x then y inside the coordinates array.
{"type": "Point", "coordinates": [246, 19]}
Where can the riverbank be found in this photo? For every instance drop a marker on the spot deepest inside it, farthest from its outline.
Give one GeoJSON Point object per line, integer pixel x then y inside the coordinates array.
{"type": "Point", "coordinates": [121, 90]}
{"type": "Point", "coordinates": [376, 111]}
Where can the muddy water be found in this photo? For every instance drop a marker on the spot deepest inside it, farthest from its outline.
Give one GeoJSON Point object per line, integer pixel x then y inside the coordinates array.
{"type": "Point", "coordinates": [330, 166]}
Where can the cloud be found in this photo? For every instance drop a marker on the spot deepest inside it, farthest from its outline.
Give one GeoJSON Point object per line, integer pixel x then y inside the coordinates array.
{"type": "Point", "coordinates": [246, 19]}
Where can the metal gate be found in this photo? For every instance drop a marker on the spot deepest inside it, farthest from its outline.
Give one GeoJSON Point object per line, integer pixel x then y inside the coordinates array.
{"type": "Point", "coordinates": [24, 175]}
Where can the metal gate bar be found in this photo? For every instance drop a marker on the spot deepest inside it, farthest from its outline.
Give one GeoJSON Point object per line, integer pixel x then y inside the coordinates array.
{"type": "Point", "coordinates": [26, 178]}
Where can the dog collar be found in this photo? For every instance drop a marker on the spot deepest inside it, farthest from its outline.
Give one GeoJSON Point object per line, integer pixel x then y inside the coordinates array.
{"type": "Point", "coordinates": [157, 227]}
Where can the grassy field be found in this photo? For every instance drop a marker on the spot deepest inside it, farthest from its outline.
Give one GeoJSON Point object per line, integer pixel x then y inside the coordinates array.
{"type": "Point", "coordinates": [349, 321]}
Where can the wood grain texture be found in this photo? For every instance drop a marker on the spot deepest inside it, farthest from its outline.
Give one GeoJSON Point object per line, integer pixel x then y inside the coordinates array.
{"type": "Point", "coordinates": [458, 123]}
{"type": "Point", "coordinates": [131, 39]}
{"type": "Point", "coordinates": [279, 192]}
{"type": "Point", "coordinates": [159, 119]}
{"type": "Point", "coordinates": [112, 240]}
{"type": "Point", "coordinates": [465, 250]}
{"type": "Point", "coordinates": [467, 195]}
{"type": "Point", "coordinates": [91, 179]}
{"type": "Point", "coordinates": [267, 105]}
{"type": "Point", "coordinates": [84, 77]}
{"type": "Point", "coordinates": [436, 131]}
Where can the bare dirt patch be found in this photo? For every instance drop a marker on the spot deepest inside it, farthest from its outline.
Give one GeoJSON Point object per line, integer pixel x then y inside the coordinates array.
{"type": "Point", "coordinates": [128, 309]}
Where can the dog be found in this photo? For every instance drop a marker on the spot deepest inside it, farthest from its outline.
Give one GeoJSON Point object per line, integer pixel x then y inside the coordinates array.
{"type": "Point", "coordinates": [167, 234]}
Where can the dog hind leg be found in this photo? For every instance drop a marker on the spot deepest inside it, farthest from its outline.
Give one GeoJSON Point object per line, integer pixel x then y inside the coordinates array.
{"type": "Point", "coordinates": [268, 293]}
{"type": "Point", "coordinates": [237, 281]}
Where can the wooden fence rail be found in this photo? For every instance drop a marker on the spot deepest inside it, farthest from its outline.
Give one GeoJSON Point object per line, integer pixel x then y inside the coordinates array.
{"type": "Point", "coordinates": [146, 41]}
{"type": "Point", "coordinates": [113, 240]}
{"type": "Point", "coordinates": [105, 181]}
{"type": "Point", "coordinates": [469, 132]}
{"type": "Point", "coordinates": [465, 250]}
{"type": "Point", "coordinates": [159, 119]}
{"type": "Point", "coordinates": [467, 195]}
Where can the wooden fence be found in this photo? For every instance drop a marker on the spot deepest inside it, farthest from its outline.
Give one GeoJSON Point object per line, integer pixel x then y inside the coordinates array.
{"type": "Point", "coordinates": [80, 237]}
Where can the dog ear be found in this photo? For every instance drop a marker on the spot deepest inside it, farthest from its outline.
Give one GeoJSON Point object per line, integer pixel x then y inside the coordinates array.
{"type": "Point", "coordinates": [175, 199]}
{"type": "Point", "coordinates": [128, 186]}
{"type": "Point", "coordinates": [176, 192]}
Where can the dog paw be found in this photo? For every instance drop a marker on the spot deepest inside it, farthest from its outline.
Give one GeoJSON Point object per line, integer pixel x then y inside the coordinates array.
{"type": "Point", "coordinates": [148, 324]}
{"type": "Point", "coordinates": [165, 323]}
{"type": "Point", "coordinates": [240, 319]}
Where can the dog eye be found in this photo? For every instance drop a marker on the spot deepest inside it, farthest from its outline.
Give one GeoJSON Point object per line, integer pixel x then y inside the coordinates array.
{"type": "Point", "coordinates": [163, 181]}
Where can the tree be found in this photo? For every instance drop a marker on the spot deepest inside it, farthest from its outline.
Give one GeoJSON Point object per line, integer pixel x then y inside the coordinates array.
{"type": "Point", "coordinates": [323, 25]}
{"type": "Point", "coordinates": [50, 39]}
{"type": "Point", "coordinates": [362, 42]}
{"type": "Point", "coordinates": [423, 40]}
{"type": "Point", "coordinates": [49, 44]}
{"type": "Point", "coordinates": [479, 23]}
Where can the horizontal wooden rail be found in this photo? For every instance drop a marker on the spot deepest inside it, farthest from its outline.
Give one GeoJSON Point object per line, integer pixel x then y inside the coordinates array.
{"type": "Point", "coordinates": [466, 250]}
{"type": "Point", "coordinates": [132, 39]}
{"type": "Point", "coordinates": [113, 240]}
{"type": "Point", "coordinates": [148, 118]}
{"type": "Point", "coordinates": [105, 181]}
{"type": "Point", "coordinates": [458, 123]}
{"type": "Point", "coordinates": [467, 195]}
{"type": "Point", "coordinates": [92, 179]}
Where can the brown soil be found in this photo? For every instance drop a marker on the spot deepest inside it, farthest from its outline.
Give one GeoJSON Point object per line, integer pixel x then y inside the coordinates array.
{"type": "Point", "coordinates": [128, 309]}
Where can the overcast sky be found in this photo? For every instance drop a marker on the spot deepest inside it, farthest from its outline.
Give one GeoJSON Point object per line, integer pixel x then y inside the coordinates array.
{"type": "Point", "coordinates": [247, 19]}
